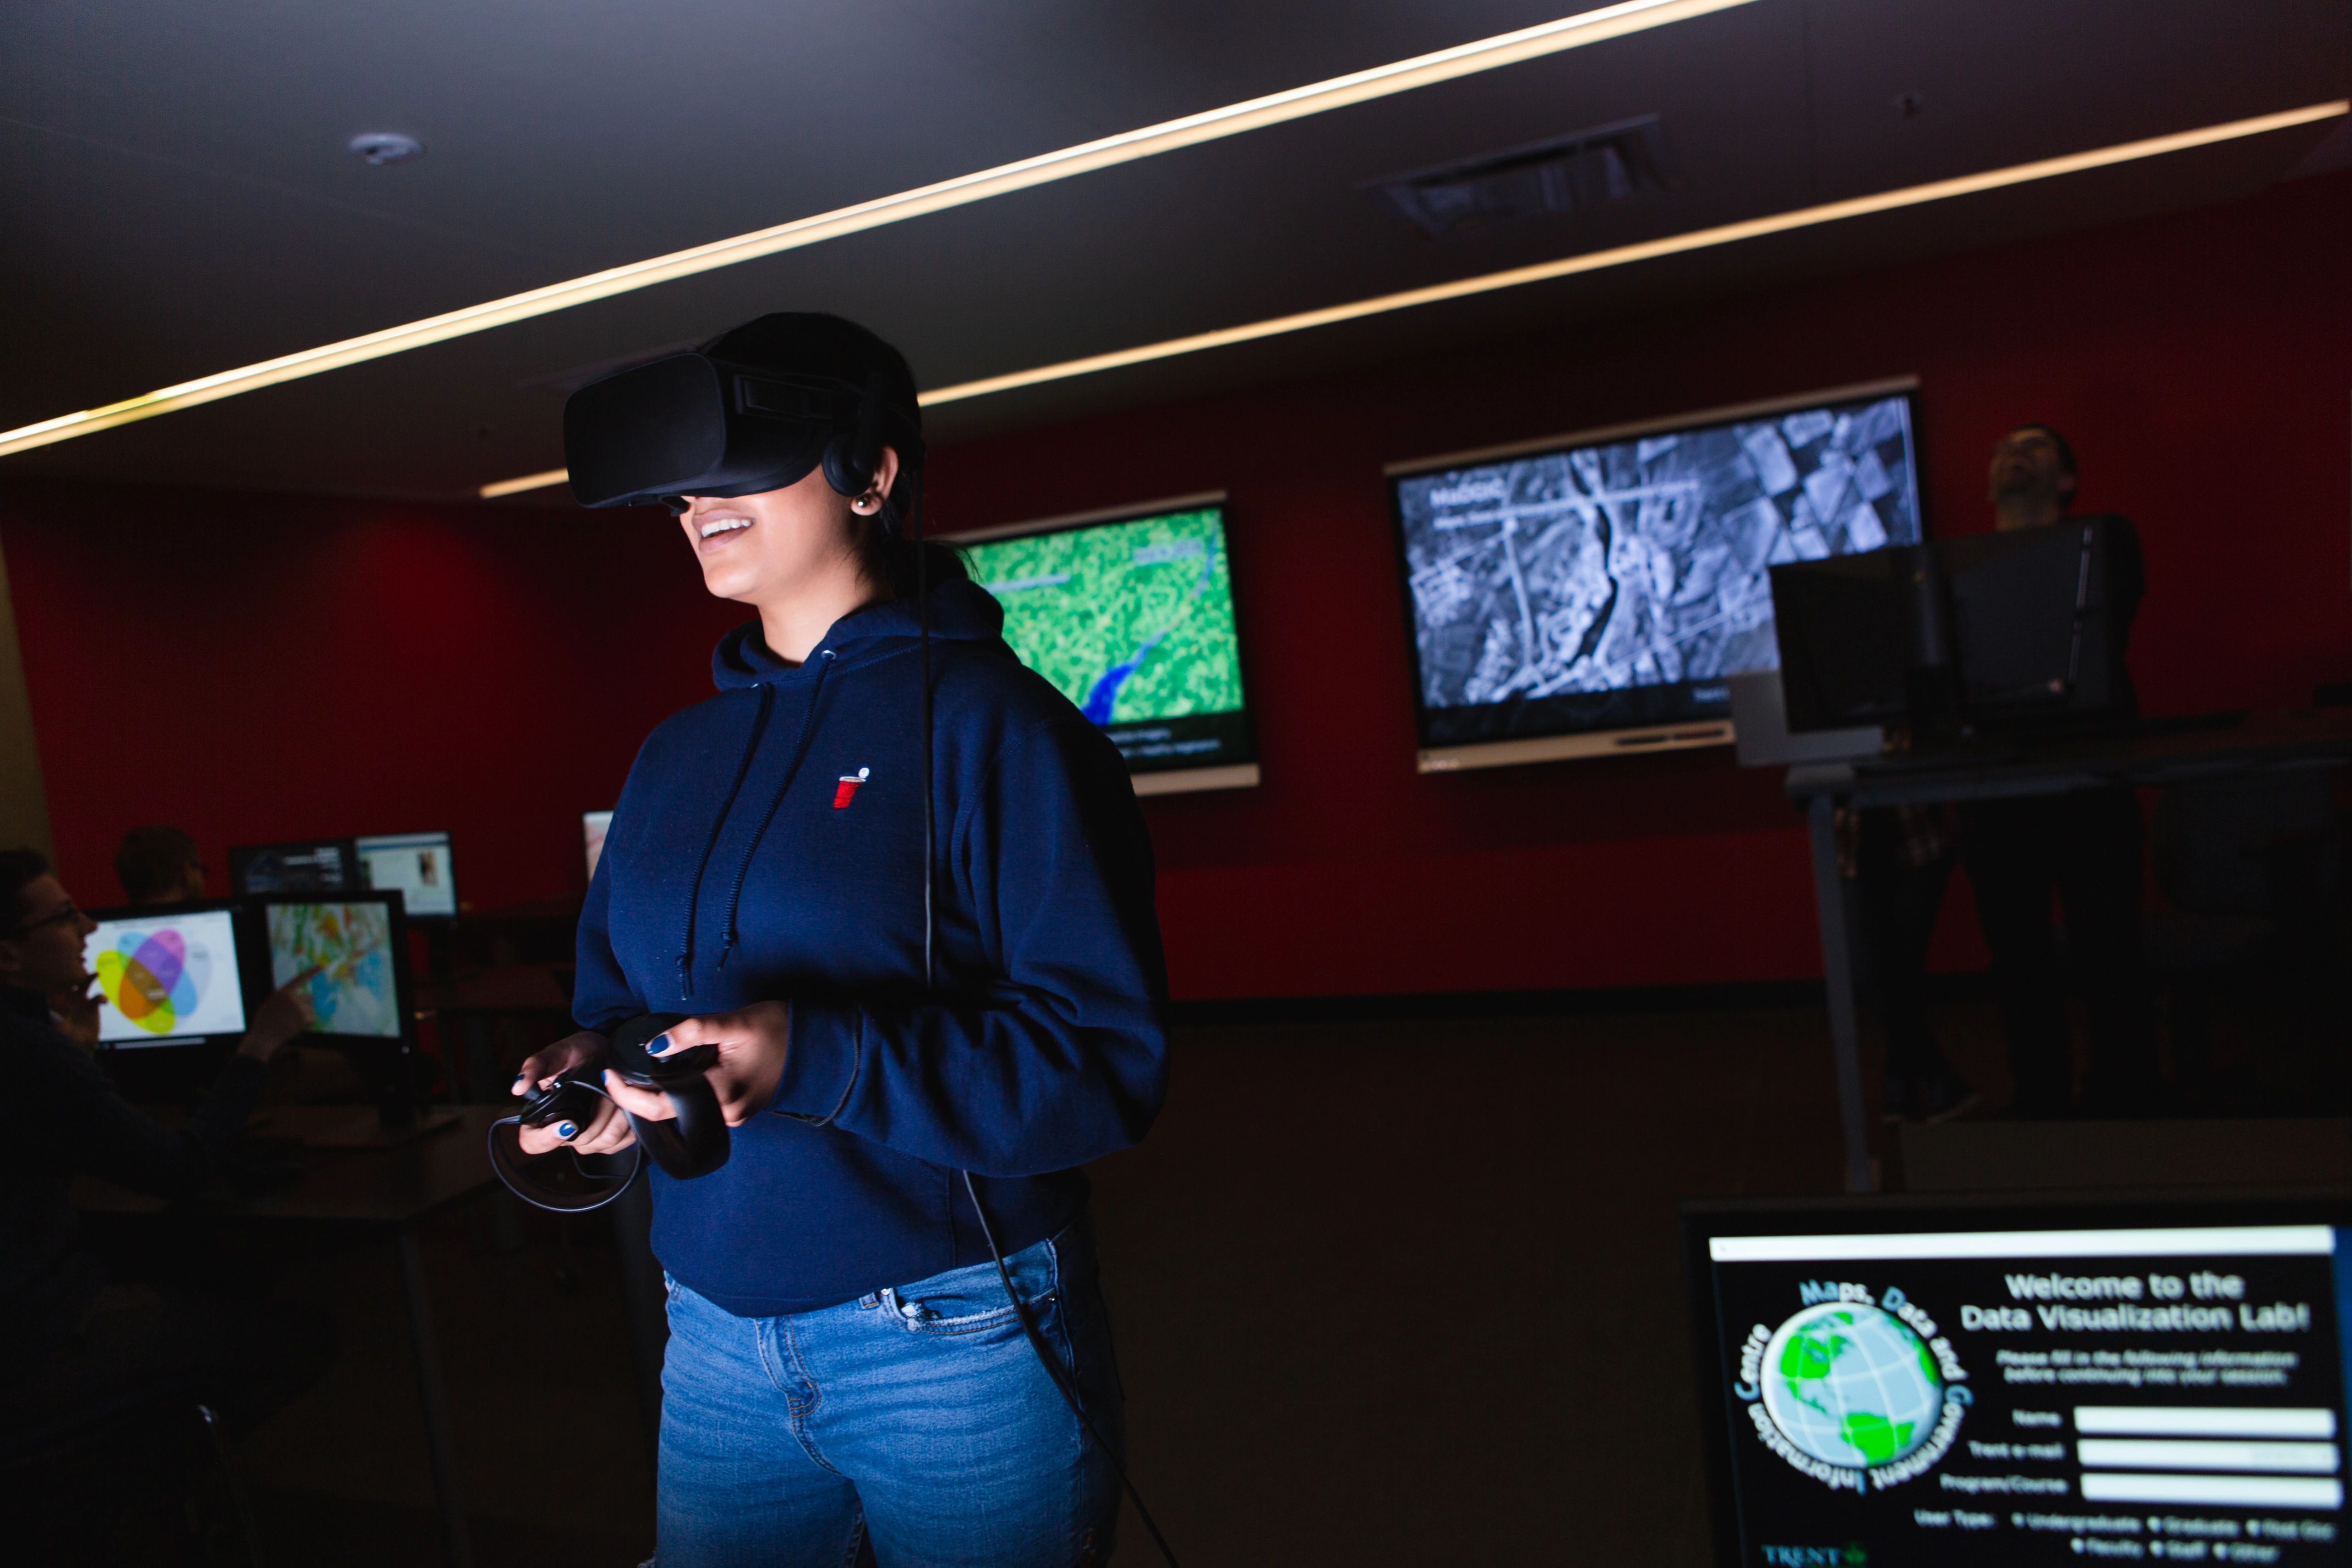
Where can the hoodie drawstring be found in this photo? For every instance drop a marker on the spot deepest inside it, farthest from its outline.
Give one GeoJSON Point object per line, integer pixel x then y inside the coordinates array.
{"type": "Point", "coordinates": [800, 753]}
{"type": "Point", "coordinates": [711, 845]}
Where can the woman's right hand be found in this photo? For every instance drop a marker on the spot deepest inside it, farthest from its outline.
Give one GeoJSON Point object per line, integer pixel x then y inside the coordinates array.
{"type": "Point", "coordinates": [607, 1132]}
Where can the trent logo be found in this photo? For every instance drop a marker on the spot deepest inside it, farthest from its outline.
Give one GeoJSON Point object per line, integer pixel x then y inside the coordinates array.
{"type": "Point", "coordinates": [844, 790]}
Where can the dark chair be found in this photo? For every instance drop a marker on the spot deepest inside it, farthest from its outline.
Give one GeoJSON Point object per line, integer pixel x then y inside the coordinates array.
{"type": "Point", "coordinates": [130, 1480]}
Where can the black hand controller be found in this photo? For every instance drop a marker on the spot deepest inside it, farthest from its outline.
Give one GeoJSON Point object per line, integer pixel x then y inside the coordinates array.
{"type": "Point", "coordinates": [575, 1097]}
{"type": "Point", "coordinates": [696, 1143]}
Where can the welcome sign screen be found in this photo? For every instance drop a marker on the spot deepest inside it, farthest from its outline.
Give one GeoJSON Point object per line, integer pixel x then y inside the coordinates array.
{"type": "Point", "coordinates": [2173, 1395]}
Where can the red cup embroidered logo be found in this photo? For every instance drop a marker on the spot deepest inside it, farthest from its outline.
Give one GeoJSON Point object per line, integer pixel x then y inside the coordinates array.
{"type": "Point", "coordinates": [845, 789]}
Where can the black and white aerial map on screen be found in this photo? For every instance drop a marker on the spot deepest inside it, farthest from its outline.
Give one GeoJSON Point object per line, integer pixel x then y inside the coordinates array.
{"type": "Point", "coordinates": [1641, 562]}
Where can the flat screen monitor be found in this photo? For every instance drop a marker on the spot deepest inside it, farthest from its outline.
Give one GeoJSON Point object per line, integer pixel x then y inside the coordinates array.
{"type": "Point", "coordinates": [1990, 628]}
{"type": "Point", "coordinates": [594, 825]}
{"type": "Point", "coordinates": [1589, 594]}
{"type": "Point", "coordinates": [357, 944]}
{"type": "Point", "coordinates": [2023, 1384]}
{"type": "Point", "coordinates": [312, 864]}
{"type": "Point", "coordinates": [416, 866]}
{"type": "Point", "coordinates": [171, 976]}
{"type": "Point", "coordinates": [1131, 615]}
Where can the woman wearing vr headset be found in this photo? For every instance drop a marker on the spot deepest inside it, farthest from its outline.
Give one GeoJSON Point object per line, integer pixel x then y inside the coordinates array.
{"type": "Point", "coordinates": [915, 1011]}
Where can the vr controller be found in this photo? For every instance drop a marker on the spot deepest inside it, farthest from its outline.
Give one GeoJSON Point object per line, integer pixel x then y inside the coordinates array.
{"type": "Point", "coordinates": [693, 1144]}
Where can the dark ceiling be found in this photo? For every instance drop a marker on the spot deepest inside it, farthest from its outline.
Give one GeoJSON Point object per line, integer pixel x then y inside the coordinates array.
{"type": "Point", "coordinates": [179, 201]}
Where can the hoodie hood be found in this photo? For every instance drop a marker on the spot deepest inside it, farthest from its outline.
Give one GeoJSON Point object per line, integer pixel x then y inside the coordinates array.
{"type": "Point", "coordinates": [961, 611]}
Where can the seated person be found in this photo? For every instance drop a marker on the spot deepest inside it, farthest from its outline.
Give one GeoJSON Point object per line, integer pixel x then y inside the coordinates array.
{"type": "Point", "coordinates": [158, 865]}
{"type": "Point", "coordinates": [71, 1339]}
{"type": "Point", "coordinates": [2083, 846]}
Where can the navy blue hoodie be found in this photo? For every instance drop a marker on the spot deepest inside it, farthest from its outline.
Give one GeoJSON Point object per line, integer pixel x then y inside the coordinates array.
{"type": "Point", "coordinates": [768, 847]}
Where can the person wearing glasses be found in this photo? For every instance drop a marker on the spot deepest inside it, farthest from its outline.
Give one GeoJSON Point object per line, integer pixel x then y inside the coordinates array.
{"type": "Point", "coordinates": [69, 1336]}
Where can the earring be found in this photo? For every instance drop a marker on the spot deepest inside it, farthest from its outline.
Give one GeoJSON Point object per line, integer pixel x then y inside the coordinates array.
{"type": "Point", "coordinates": [866, 504]}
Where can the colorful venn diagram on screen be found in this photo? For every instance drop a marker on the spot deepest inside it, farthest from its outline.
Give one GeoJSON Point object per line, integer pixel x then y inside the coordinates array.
{"type": "Point", "coordinates": [154, 978]}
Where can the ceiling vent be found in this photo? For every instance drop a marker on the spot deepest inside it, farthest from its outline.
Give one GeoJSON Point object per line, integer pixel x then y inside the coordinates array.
{"type": "Point", "coordinates": [1565, 175]}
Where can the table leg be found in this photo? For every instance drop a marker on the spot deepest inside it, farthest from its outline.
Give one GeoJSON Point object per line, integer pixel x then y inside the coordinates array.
{"type": "Point", "coordinates": [428, 1347]}
{"type": "Point", "coordinates": [1837, 979]}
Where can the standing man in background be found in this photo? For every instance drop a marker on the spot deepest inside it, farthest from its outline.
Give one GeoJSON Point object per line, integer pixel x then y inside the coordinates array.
{"type": "Point", "coordinates": [2083, 846]}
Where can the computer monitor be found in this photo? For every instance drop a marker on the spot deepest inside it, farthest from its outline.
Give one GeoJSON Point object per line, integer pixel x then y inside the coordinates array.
{"type": "Point", "coordinates": [416, 865]}
{"type": "Point", "coordinates": [174, 986]}
{"type": "Point", "coordinates": [1860, 638]}
{"type": "Point", "coordinates": [174, 976]}
{"type": "Point", "coordinates": [594, 825]}
{"type": "Point", "coordinates": [358, 944]}
{"type": "Point", "coordinates": [1984, 630]}
{"type": "Point", "coordinates": [1934, 1383]}
{"type": "Point", "coordinates": [1130, 613]}
{"type": "Point", "coordinates": [312, 864]}
{"type": "Point", "coordinates": [1587, 594]}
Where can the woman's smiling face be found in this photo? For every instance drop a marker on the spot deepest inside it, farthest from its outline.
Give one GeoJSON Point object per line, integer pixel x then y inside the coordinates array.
{"type": "Point", "coordinates": [758, 548]}
{"type": "Point", "coordinates": [792, 554]}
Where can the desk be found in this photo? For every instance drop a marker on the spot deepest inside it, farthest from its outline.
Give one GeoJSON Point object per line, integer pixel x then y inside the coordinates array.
{"type": "Point", "coordinates": [2152, 757]}
{"type": "Point", "coordinates": [388, 1189]}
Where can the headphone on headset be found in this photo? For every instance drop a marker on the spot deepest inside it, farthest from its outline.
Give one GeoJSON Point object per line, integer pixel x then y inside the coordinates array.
{"type": "Point", "coordinates": [852, 457]}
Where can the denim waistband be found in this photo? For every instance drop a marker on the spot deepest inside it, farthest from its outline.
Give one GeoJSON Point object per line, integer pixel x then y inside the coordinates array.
{"type": "Point", "coordinates": [1039, 1271]}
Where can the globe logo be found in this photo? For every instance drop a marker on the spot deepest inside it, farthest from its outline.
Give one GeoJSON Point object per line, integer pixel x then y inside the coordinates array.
{"type": "Point", "coordinates": [1851, 1385]}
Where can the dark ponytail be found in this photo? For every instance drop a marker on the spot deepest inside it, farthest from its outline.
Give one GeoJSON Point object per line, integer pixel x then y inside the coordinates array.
{"type": "Point", "coordinates": [886, 551]}
{"type": "Point", "coordinates": [893, 562]}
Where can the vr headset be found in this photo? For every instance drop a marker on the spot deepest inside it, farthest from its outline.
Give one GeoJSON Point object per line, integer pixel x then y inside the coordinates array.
{"type": "Point", "coordinates": [753, 410]}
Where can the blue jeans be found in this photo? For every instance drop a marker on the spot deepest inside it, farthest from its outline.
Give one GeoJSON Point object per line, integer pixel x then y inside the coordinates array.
{"type": "Point", "coordinates": [914, 1424]}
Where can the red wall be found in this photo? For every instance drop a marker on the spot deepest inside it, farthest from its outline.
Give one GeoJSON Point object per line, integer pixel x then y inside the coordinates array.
{"type": "Point", "coordinates": [255, 667]}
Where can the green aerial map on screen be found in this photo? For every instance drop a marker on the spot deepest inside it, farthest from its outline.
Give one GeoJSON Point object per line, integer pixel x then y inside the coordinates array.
{"type": "Point", "coordinates": [1132, 621]}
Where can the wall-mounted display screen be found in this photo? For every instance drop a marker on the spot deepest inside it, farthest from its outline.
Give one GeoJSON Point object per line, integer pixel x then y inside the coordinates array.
{"type": "Point", "coordinates": [1970, 1384]}
{"type": "Point", "coordinates": [414, 865]}
{"type": "Point", "coordinates": [1590, 594]}
{"type": "Point", "coordinates": [166, 979]}
{"type": "Point", "coordinates": [1131, 615]}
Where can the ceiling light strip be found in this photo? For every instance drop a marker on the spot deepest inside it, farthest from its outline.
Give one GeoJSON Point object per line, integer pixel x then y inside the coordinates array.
{"type": "Point", "coordinates": [1297, 103]}
{"type": "Point", "coordinates": [526, 482]}
{"type": "Point", "coordinates": [1594, 261]}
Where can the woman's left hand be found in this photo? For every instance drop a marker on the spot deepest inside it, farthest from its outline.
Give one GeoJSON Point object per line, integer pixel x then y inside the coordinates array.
{"type": "Point", "coordinates": [752, 1045]}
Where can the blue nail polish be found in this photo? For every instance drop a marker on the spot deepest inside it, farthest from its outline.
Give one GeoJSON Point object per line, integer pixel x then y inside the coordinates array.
{"type": "Point", "coordinates": [659, 1047]}
{"type": "Point", "coordinates": [565, 1130]}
